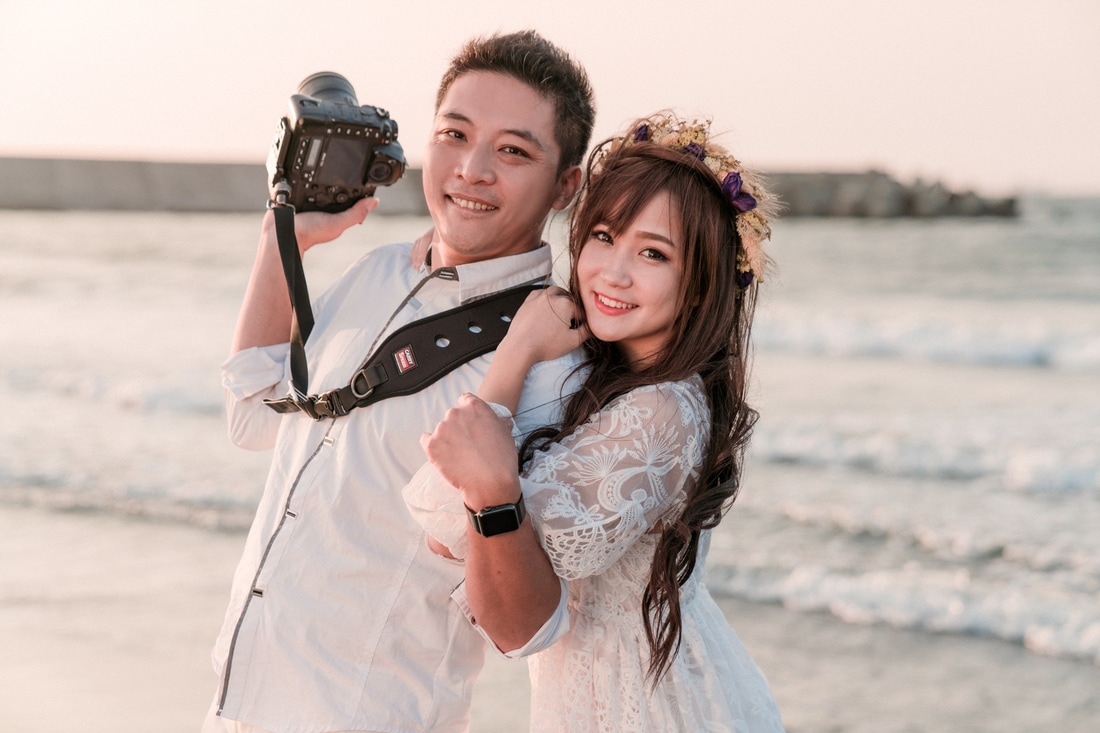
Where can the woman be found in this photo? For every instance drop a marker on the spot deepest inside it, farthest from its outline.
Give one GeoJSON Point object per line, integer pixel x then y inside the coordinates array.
{"type": "Point", "coordinates": [665, 247]}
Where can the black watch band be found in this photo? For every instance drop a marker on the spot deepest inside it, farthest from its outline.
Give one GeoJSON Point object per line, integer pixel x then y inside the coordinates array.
{"type": "Point", "coordinates": [494, 520]}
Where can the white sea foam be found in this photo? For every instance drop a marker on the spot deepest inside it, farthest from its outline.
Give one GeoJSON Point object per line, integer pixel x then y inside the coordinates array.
{"type": "Point", "coordinates": [1055, 335]}
{"type": "Point", "coordinates": [990, 446]}
{"type": "Point", "coordinates": [933, 600]}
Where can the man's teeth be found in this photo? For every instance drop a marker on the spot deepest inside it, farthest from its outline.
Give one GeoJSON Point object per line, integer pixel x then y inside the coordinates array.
{"type": "Point", "coordinates": [467, 204]}
{"type": "Point", "coordinates": [615, 303]}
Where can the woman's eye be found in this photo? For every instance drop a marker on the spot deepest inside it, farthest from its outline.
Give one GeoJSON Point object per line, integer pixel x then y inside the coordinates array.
{"type": "Point", "coordinates": [654, 254]}
{"type": "Point", "coordinates": [602, 235]}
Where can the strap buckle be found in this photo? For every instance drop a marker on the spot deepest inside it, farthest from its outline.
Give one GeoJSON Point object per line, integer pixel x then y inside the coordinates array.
{"type": "Point", "coordinates": [326, 405]}
{"type": "Point", "coordinates": [364, 382]}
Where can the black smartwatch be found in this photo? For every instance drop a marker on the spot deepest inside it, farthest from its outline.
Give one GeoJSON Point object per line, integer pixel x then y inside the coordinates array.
{"type": "Point", "coordinates": [494, 520]}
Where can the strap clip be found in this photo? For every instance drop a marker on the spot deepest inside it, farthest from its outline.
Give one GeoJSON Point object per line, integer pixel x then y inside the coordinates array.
{"type": "Point", "coordinates": [366, 379]}
{"type": "Point", "coordinates": [326, 405]}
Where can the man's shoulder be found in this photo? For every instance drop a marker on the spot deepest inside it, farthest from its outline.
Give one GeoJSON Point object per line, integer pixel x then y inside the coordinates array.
{"type": "Point", "coordinates": [378, 270]}
{"type": "Point", "coordinates": [394, 255]}
{"type": "Point", "coordinates": [384, 264]}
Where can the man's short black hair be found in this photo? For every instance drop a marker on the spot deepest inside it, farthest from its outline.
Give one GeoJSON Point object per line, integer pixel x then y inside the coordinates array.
{"type": "Point", "coordinates": [550, 71]}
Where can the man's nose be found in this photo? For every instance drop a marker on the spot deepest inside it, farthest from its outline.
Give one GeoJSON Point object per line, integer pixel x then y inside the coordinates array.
{"type": "Point", "coordinates": [476, 165]}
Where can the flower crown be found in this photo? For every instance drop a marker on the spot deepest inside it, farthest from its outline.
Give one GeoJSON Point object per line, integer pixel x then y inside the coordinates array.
{"type": "Point", "coordinates": [742, 188]}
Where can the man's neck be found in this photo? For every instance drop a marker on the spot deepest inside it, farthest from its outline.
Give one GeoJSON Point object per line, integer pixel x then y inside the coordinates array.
{"type": "Point", "coordinates": [441, 256]}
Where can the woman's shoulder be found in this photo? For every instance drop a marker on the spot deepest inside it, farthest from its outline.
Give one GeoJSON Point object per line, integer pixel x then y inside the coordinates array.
{"type": "Point", "coordinates": [682, 401]}
{"type": "Point", "coordinates": [689, 390]}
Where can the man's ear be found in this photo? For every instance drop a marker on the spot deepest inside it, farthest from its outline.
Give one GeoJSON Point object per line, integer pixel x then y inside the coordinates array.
{"type": "Point", "coordinates": [568, 183]}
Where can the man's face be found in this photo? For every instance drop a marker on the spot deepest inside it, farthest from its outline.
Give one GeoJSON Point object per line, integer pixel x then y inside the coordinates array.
{"type": "Point", "coordinates": [491, 169]}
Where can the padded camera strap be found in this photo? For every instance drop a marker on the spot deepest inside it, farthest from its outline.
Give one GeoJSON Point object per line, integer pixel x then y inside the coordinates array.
{"type": "Point", "coordinates": [418, 354]}
{"type": "Point", "coordinates": [413, 357]}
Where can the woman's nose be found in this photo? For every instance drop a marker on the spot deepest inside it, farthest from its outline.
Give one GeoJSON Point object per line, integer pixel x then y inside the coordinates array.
{"type": "Point", "coordinates": [615, 271]}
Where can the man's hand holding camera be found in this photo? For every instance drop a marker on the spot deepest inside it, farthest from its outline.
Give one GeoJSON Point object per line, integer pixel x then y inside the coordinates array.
{"type": "Point", "coordinates": [317, 227]}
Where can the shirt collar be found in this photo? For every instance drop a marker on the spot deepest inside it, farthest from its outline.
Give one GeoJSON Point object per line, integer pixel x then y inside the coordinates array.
{"type": "Point", "coordinates": [476, 279]}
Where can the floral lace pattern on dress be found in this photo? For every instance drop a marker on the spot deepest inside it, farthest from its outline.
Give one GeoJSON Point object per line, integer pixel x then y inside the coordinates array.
{"type": "Point", "coordinates": [601, 489]}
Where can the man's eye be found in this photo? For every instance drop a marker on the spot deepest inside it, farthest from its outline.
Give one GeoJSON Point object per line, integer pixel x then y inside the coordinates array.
{"type": "Point", "coordinates": [513, 150]}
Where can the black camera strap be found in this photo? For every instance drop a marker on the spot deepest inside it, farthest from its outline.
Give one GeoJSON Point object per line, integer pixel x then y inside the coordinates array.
{"type": "Point", "coordinates": [413, 357]}
{"type": "Point", "coordinates": [418, 354]}
{"type": "Point", "coordinates": [301, 323]}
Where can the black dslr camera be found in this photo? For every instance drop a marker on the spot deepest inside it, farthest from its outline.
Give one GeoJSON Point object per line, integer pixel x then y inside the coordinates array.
{"type": "Point", "coordinates": [329, 152]}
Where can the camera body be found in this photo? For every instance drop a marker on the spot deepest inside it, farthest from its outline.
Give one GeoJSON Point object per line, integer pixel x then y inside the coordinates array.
{"type": "Point", "coordinates": [329, 152]}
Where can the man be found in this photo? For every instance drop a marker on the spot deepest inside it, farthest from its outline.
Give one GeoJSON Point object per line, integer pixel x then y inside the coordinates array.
{"type": "Point", "coordinates": [341, 618]}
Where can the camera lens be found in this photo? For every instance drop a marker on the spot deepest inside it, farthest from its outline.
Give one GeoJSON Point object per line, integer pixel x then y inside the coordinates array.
{"type": "Point", "coordinates": [328, 86]}
{"type": "Point", "coordinates": [381, 172]}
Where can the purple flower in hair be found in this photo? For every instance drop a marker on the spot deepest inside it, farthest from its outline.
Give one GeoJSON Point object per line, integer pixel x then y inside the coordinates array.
{"type": "Point", "coordinates": [731, 188]}
{"type": "Point", "coordinates": [642, 133]}
{"type": "Point", "coordinates": [744, 279]}
{"type": "Point", "coordinates": [695, 149]}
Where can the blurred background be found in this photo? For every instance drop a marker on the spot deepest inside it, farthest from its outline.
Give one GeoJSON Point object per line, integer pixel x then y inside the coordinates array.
{"type": "Point", "coordinates": [914, 547]}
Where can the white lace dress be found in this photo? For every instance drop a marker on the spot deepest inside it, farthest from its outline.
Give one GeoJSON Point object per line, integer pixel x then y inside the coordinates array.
{"type": "Point", "coordinates": [593, 499]}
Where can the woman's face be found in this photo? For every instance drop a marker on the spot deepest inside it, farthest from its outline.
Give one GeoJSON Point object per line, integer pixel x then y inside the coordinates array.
{"type": "Point", "coordinates": [629, 281]}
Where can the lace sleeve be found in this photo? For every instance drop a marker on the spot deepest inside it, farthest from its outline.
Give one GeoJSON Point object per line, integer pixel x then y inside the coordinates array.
{"type": "Point", "coordinates": [599, 490]}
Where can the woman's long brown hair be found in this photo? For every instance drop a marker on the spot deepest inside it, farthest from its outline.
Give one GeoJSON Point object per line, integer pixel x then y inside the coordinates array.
{"type": "Point", "coordinates": [709, 337]}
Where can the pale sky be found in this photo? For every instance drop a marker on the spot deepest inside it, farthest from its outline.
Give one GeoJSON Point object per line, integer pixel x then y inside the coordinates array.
{"type": "Point", "coordinates": [998, 95]}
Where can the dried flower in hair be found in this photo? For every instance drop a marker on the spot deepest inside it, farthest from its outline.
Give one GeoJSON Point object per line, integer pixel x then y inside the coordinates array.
{"type": "Point", "coordinates": [745, 193]}
{"type": "Point", "coordinates": [731, 187]}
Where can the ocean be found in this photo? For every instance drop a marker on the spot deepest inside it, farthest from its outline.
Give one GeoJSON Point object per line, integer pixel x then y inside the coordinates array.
{"type": "Point", "coordinates": [927, 455]}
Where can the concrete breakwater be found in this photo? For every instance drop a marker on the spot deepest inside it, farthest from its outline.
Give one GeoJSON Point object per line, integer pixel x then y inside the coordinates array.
{"type": "Point", "coordinates": [57, 184]}
{"type": "Point", "coordinates": [130, 185]}
{"type": "Point", "coordinates": [876, 194]}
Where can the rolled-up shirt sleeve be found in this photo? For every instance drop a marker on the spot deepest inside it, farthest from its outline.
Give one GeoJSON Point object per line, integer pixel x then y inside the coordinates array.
{"type": "Point", "coordinates": [437, 507]}
{"type": "Point", "coordinates": [552, 629]}
{"type": "Point", "coordinates": [249, 377]}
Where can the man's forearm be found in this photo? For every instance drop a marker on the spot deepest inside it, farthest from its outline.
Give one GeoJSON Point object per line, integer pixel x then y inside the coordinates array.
{"type": "Point", "coordinates": [511, 585]}
{"type": "Point", "coordinates": [265, 315]}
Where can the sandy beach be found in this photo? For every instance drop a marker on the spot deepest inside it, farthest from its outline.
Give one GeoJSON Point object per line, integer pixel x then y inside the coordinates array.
{"type": "Point", "coordinates": [107, 623]}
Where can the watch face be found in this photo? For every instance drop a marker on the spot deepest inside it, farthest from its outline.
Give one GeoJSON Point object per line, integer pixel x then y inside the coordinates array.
{"type": "Point", "coordinates": [498, 520]}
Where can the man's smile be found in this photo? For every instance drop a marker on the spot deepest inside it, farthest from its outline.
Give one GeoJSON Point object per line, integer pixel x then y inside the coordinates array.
{"type": "Point", "coordinates": [470, 203]}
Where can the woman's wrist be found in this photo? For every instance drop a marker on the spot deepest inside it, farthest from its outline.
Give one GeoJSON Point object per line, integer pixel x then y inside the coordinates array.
{"type": "Point", "coordinates": [519, 355]}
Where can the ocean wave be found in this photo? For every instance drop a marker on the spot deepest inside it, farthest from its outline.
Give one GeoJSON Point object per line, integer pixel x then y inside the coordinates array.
{"type": "Point", "coordinates": [1052, 623]}
{"type": "Point", "coordinates": [994, 447]}
{"type": "Point", "coordinates": [208, 513]}
{"type": "Point", "coordinates": [967, 557]}
{"type": "Point", "coordinates": [979, 527]}
{"type": "Point", "coordinates": [182, 394]}
{"type": "Point", "coordinates": [996, 340]}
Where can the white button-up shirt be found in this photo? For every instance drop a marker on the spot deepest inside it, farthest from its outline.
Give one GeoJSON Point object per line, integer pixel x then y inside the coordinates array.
{"type": "Point", "coordinates": [340, 617]}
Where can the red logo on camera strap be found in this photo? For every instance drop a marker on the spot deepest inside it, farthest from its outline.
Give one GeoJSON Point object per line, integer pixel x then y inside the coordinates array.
{"type": "Point", "coordinates": [405, 359]}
